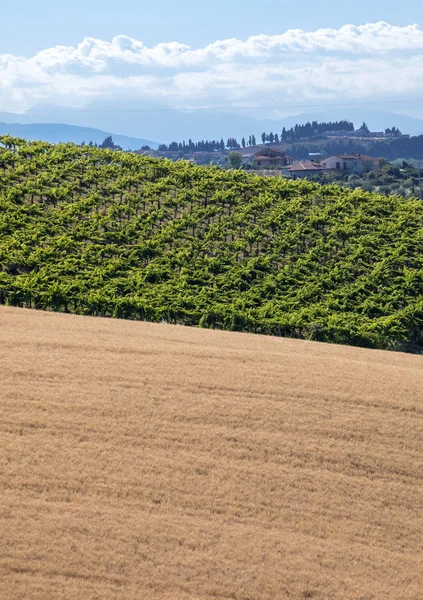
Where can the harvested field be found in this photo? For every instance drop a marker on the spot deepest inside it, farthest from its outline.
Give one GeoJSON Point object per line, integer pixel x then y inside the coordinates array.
{"type": "Point", "coordinates": [143, 461]}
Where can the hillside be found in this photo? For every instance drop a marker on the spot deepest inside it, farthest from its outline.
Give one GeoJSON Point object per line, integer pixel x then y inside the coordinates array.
{"type": "Point", "coordinates": [394, 149]}
{"type": "Point", "coordinates": [151, 461]}
{"type": "Point", "coordinates": [58, 132]}
{"type": "Point", "coordinates": [115, 234]}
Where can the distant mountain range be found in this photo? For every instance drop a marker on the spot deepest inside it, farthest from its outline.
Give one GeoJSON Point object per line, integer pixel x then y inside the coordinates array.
{"type": "Point", "coordinates": [59, 132]}
{"type": "Point", "coordinates": [138, 126]}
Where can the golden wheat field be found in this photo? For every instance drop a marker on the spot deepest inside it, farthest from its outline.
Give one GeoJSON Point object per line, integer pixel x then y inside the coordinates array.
{"type": "Point", "coordinates": [143, 461]}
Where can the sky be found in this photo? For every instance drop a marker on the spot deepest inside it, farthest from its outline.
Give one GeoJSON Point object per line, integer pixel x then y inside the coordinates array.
{"type": "Point", "coordinates": [29, 26]}
{"type": "Point", "coordinates": [222, 55]}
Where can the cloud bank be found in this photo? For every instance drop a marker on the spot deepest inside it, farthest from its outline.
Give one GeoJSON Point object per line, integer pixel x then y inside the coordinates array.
{"type": "Point", "coordinates": [370, 62]}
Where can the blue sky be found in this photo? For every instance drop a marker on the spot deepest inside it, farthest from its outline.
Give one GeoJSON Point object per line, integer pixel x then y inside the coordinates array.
{"type": "Point", "coordinates": [32, 25]}
{"type": "Point", "coordinates": [105, 58]}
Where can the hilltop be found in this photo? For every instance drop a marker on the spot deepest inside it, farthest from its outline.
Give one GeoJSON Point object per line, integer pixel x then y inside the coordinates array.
{"type": "Point", "coordinates": [115, 234]}
{"type": "Point", "coordinates": [146, 461]}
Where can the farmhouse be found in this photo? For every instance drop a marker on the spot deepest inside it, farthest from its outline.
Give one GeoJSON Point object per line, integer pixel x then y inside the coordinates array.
{"type": "Point", "coordinates": [358, 133]}
{"type": "Point", "coordinates": [352, 163]}
{"type": "Point", "coordinates": [303, 169]}
{"type": "Point", "coordinates": [271, 157]}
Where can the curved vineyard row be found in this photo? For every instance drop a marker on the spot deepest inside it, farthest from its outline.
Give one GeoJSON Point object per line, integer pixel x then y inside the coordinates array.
{"type": "Point", "coordinates": [108, 233]}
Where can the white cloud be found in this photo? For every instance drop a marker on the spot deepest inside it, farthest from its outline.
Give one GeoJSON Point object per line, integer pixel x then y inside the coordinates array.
{"type": "Point", "coordinates": [351, 63]}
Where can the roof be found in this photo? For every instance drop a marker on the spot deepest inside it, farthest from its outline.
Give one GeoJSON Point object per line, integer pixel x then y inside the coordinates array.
{"type": "Point", "coordinates": [347, 156]}
{"type": "Point", "coordinates": [269, 149]}
{"type": "Point", "coordinates": [364, 157]}
{"type": "Point", "coordinates": [264, 157]}
{"type": "Point", "coordinates": [354, 157]}
{"type": "Point", "coordinates": [307, 165]}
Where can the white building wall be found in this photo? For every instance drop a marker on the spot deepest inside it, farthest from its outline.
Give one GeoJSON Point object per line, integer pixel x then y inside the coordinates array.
{"type": "Point", "coordinates": [345, 165]}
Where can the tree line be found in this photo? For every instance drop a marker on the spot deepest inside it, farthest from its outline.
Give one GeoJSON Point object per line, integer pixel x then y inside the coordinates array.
{"type": "Point", "coordinates": [207, 145]}
{"type": "Point", "coordinates": [307, 130]}
{"type": "Point", "coordinates": [287, 135]}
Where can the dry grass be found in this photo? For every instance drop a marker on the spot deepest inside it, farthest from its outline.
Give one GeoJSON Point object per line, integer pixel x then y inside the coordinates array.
{"type": "Point", "coordinates": [147, 461]}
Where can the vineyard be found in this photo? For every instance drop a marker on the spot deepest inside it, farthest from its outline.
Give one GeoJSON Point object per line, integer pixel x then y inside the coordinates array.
{"type": "Point", "coordinates": [105, 233]}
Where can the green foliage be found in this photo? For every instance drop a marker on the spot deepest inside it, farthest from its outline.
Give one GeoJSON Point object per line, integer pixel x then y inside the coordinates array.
{"type": "Point", "coordinates": [109, 144]}
{"type": "Point", "coordinates": [308, 130]}
{"type": "Point", "coordinates": [102, 232]}
{"type": "Point", "coordinates": [235, 160]}
{"type": "Point", "coordinates": [387, 180]}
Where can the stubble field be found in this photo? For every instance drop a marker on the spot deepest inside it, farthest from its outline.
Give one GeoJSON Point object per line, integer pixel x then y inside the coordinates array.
{"type": "Point", "coordinates": [142, 461]}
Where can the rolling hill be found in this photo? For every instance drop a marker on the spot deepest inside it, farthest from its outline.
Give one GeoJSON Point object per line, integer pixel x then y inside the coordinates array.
{"type": "Point", "coordinates": [151, 461]}
{"type": "Point", "coordinates": [115, 234]}
{"type": "Point", "coordinates": [146, 120]}
{"type": "Point", "coordinates": [56, 133]}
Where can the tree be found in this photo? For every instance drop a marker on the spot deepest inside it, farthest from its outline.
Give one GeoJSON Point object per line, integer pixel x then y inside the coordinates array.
{"type": "Point", "coordinates": [365, 127]}
{"type": "Point", "coordinates": [263, 137]}
{"type": "Point", "coordinates": [243, 142]}
{"type": "Point", "coordinates": [253, 140]}
{"type": "Point", "coordinates": [108, 143]}
{"type": "Point", "coordinates": [271, 137]}
{"type": "Point", "coordinates": [232, 144]}
{"type": "Point", "coordinates": [235, 160]}
{"type": "Point", "coordinates": [396, 132]}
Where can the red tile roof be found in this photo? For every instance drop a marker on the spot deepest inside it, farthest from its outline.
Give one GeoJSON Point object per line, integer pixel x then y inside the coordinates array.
{"type": "Point", "coordinates": [270, 150]}
{"type": "Point", "coordinates": [348, 156]}
{"type": "Point", "coordinates": [372, 158]}
{"type": "Point", "coordinates": [356, 157]}
{"type": "Point", "coordinates": [264, 157]}
{"type": "Point", "coordinates": [306, 165]}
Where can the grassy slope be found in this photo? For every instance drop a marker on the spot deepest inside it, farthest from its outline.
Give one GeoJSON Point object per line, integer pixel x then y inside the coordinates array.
{"type": "Point", "coordinates": [115, 234]}
{"type": "Point", "coordinates": [147, 461]}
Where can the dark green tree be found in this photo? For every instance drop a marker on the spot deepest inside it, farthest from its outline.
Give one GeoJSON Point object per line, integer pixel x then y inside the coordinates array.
{"type": "Point", "coordinates": [235, 160]}
{"type": "Point", "coordinates": [109, 144]}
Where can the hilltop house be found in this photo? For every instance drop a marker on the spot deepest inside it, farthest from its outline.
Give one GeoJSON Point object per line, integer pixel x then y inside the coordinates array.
{"type": "Point", "coordinates": [303, 169]}
{"type": "Point", "coordinates": [271, 158]}
{"type": "Point", "coordinates": [358, 133]}
{"type": "Point", "coordinates": [351, 163]}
